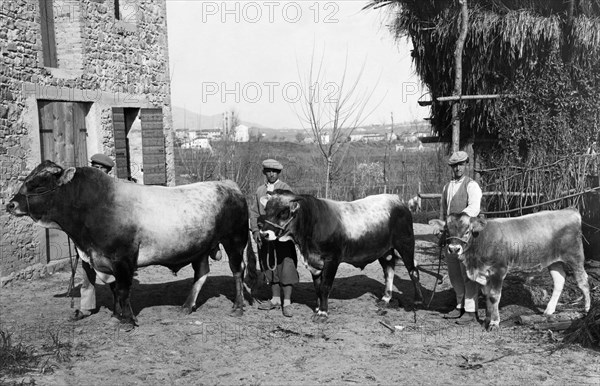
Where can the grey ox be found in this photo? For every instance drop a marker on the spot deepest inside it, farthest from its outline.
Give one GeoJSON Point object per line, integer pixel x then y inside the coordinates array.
{"type": "Point", "coordinates": [120, 226]}
{"type": "Point", "coordinates": [358, 233]}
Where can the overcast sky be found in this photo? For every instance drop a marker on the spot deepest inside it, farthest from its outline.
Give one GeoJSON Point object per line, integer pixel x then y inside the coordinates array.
{"type": "Point", "coordinates": [246, 55]}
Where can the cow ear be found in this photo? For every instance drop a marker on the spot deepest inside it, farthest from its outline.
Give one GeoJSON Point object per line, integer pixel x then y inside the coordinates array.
{"type": "Point", "coordinates": [478, 224]}
{"type": "Point", "coordinates": [294, 206]}
{"type": "Point", "coordinates": [437, 224]}
{"type": "Point", "coordinates": [66, 176]}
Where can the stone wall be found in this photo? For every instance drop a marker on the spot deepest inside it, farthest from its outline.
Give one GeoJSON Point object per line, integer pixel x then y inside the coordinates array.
{"type": "Point", "coordinates": [103, 61]}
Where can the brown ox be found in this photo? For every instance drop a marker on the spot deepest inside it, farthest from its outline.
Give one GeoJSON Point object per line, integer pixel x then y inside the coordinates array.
{"type": "Point", "coordinates": [488, 248]}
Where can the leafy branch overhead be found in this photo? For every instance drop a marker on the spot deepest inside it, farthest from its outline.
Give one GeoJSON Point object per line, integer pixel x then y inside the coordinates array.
{"type": "Point", "coordinates": [544, 54]}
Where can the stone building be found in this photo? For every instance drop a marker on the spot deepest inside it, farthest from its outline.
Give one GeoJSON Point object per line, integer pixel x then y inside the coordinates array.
{"type": "Point", "coordinates": [79, 77]}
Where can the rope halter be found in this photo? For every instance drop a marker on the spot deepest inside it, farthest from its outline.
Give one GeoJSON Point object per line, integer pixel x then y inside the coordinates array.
{"type": "Point", "coordinates": [281, 228]}
{"type": "Point", "coordinates": [466, 241]}
{"type": "Point", "coordinates": [27, 195]}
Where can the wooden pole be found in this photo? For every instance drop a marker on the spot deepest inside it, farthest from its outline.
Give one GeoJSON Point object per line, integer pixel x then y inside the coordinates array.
{"type": "Point", "coordinates": [455, 98]}
{"type": "Point", "coordinates": [460, 43]}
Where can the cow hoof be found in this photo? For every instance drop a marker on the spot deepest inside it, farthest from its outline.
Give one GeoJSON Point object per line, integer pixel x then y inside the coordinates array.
{"type": "Point", "coordinates": [186, 310]}
{"type": "Point", "coordinates": [319, 318]}
{"type": "Point", "coordinates": [493, 327]}
{"type": "Point", "coordinates": [383, 304]}
{"type": "Point", "coordinates": [237, 312]}
{"type": "Point", "coordinates": [127, 325]}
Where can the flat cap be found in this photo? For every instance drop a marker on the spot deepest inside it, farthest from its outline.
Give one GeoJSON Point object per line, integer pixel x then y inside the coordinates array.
{"type": "Point", "coordinates": [458, 157]}
{"type": "Point", "coordinates": [272, 164]}
{"type": "Point", "coordinates": [102, 159]}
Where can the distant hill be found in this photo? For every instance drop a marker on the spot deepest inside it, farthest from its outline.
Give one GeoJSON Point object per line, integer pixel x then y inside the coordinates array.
{"type": "Point", "coordinates": [183, 118]}
{"type": "Point", "coordinates": [186, 119]}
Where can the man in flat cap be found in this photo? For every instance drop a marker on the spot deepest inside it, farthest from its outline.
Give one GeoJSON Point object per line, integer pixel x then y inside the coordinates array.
{"type": "Point", "coordinates": [461, 194]}
{"type": "Point", "coordinates": [278, 259]}
{"type": "Point", "coordinates": [102, 162]}
{"type": "Point", "coordinates": [87, 304]}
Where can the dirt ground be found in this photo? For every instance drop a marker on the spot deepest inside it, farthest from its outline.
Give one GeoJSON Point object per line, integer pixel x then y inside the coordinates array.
{"type": "Point", "coordinates": [264, 347]}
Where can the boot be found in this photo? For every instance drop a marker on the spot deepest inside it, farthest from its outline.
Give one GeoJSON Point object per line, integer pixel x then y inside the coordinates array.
{"type": "Point", "coordinates": [454, 314]}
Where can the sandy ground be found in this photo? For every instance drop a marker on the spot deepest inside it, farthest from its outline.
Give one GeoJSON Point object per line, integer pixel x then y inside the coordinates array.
{"type": "Point", "coordinates": [264, 347]}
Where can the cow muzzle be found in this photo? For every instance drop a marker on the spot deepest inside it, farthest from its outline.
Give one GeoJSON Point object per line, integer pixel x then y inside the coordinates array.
{"type": "Point", "coordinates": [455, 249]}
{"type": "Point", "coordinates": [13, 208]}
{"type": "Point", "coordinates": [268, 235]}
{"type": "Point", "coordinates": [281, 233]}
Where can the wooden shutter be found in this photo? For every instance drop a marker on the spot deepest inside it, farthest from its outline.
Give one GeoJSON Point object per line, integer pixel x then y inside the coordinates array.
{"type": "Point", "coordinates": [48, 37]}
{"type": "Point", "coordinates": [46, 130]}
{"type": "Point", "coordinates": [153, 147]}
{"type": "Point", "coordinates": [120, 135]}
{"type": "Point", "coordinates": [80, 110]}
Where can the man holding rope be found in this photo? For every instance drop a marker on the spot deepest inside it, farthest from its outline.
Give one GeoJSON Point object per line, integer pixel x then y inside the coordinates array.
{"type": "Point", "coordinates": [278, 259]}
{"type": "Point", "coordinates": [461, 194]}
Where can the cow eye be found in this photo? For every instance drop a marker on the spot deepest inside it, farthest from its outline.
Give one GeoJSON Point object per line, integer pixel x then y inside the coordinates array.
{"type": "Point", "coordinates": [39, 189]}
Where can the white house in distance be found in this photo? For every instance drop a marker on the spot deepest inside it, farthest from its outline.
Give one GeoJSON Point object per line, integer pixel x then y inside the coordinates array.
{"type": "Point", "coordinates": [197, 143]}
{"type": "Point", "coordinates": [241, 133]}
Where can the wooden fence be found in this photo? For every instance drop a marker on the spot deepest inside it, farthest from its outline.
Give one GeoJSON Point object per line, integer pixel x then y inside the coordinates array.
{"type": "Point", "coordinates": [564, 182]}
{"type": "Point", "coordinates": [558, 183]}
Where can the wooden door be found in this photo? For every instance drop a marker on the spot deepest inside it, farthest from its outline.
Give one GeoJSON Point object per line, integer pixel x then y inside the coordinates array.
{"type": "Point", "coordinates": [63, 140]}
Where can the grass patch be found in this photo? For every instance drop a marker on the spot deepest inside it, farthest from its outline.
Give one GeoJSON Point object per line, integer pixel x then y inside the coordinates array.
{"type": "Point", "coordinates": [18, 358]}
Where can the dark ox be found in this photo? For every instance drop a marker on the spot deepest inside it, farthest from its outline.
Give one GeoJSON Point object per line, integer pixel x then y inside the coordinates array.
{"type": "Point", "coordinates": [120, 226]}
{"type": "Point", "coordinates": [488, 248]}
{"type": "Point", "coordinates": [328, 233]}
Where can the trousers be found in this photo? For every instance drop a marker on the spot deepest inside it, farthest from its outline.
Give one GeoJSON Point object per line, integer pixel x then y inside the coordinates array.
{"type": "Point", "coordinates": [466, 290]}
{"type": "Point", "coordinates": [88, 287]}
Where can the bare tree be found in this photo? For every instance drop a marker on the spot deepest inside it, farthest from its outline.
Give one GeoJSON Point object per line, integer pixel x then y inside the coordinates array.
{"type": "Point", "coordinates": [330, 112]}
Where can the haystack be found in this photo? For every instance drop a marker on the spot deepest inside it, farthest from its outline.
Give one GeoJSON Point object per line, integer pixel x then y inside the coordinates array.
{"type": "Point", "coordinates": [541, 55]}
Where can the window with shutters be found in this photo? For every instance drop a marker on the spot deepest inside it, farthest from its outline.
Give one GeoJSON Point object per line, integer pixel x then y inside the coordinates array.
{"type": "Point", "coordinates": [48, 35]}
{"type": "Point", "coordinates": [61, 29]}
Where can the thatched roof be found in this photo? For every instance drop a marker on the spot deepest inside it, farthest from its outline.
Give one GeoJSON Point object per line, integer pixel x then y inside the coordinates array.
{"type": "Point", "coordinates": [511, 46]}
